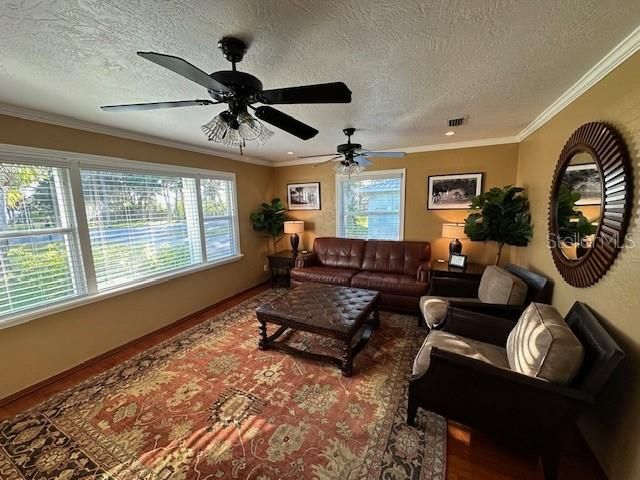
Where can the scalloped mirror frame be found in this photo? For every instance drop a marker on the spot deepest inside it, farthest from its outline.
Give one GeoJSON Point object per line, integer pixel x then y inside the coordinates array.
{"type": "Point", "coordinates": [611, 156]}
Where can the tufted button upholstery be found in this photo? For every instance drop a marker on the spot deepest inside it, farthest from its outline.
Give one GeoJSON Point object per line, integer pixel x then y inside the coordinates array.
{"type": "Point", "coordinates": [339, 252]}
{"type": "Point", "coordinates": [398, 270]}
{"type": "Point", "coordinates": [395, 257]}
{"type": "Point", "coordinates": [328, 308]}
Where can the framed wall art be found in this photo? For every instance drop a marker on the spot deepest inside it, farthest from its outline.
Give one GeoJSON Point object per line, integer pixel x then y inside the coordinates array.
{"type": "Point", "coordinates": [303, 196]}
{"type": "Point", "coordinates": [453, 192]}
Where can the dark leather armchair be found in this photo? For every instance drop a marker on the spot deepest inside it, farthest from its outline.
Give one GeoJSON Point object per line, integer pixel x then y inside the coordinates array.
{"type": "Point", "coordinates": [516, 408]}
{"type": "Point", "coordinates": [464, 292]}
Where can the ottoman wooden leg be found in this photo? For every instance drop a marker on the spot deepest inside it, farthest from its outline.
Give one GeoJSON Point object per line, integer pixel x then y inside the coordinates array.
{"type": "Point", "coordinates": [263, 344]}
{"type": "Point", "coordinates": [376, 318]}
{"type": "Point", "coordinates": [347, 360]}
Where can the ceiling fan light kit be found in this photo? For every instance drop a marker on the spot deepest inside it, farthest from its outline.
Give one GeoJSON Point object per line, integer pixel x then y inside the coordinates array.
{"type": "Point", "coordinates": [353, 158]}
{"type": "Point", "coordinates": [240, 91]}
{"type": "Point", "coordinates": [235, 131]}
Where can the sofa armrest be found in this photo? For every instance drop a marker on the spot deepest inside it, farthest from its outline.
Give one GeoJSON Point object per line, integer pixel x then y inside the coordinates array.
{"type": "Point", "coordinates": [509, 312]}
{"type": "Point", "coordinates": [477, 372]}
{"type": "Point", "coordinates": [454, 287]}
{"type": "Point", "coordinates": [477, 326]}
{"type": "Point", "coordinates": [306, 260]}
{"type": "Point", "coordinates": [424, 272]}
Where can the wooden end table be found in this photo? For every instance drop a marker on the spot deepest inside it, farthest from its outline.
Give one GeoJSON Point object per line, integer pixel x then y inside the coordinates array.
{"type": "Point", "coordinates": [347, 314]}
{"type": "Point", "coordinates": [442, 269]}
{"type": "Point", "coordinates": [280, 265]}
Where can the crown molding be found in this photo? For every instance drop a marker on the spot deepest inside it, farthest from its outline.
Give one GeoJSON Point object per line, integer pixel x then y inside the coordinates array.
{"type": "Point", "coordinates": [422, 148]}
{"type": "Point", "coordinates": [62, 121]}
{"type": "Point", "coordinates": [617, 55]}
{"type": "Point", "coordinates": [486, 142]}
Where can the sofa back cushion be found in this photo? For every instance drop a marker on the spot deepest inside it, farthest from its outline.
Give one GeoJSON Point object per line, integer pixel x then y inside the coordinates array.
{"type": "Point", "coordinates": [339, 252]}
{"type": "Point", "coordinates": [395, 256]}
{"type": "Point", "coordinates": [499, 286]}
{"type": "Point", "coordinates": [542, 345]}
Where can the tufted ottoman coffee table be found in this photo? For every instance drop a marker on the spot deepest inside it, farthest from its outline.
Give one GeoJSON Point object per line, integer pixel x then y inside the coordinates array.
{"type": "Point", "coordinates": [347, 314]}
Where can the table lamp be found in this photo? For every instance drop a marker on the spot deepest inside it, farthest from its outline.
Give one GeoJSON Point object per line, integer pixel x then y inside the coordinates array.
{"type": "Point", "coordinates": [294, 227]}
{"type": "Point", "coordinates": [454, 231]}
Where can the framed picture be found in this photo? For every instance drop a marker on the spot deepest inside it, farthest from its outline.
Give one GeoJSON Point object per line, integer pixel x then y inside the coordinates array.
{"type": "Point", "coordinates": [303, 196]}
{"type": "Point", "coordinates": [457, 260]}
{"type": "Point", "coordinates": [453, 192]}
{"type": "Point", "coordinates": [584, 179]}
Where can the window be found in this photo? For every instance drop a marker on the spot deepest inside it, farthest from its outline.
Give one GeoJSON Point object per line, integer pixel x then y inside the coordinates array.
{"type": "Point", "coordinates": [219, 218]}
{"type": "Point", "coordinates": [75, 227]}
{"type": "Point", "coordinates": [39, 254]}
{"type": "Point", "coordinates": [371, 205]}
{"type": "Point", "coordinates": [140, 225]}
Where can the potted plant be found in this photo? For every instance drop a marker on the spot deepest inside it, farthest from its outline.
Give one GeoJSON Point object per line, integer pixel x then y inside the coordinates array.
{"type": "Point", "coordinates": [270, 220]}
{"type": "Point", "coordinates": [501, 215]}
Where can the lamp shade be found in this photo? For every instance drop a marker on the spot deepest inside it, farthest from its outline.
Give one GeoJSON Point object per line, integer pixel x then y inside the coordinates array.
{"type": "Point", "coordinates": [294, 226]}
{"type": "Point", "coordinates": [453, 230]}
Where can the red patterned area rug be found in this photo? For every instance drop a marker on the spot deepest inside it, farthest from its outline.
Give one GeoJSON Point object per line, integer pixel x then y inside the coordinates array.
{"type": "Point", "coordinates": [207, 404]}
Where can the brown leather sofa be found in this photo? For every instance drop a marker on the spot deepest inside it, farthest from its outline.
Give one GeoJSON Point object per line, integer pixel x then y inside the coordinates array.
{"type": "Point", "coordinates": [399, 270]}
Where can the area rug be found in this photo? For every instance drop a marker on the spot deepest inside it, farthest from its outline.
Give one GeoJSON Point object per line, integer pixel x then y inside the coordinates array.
{"type": "Point", "coordinates": [208, 404]}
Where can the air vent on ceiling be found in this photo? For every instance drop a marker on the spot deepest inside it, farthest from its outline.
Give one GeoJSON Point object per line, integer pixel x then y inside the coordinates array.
{"type": "Point", "coordinates": [457, 122]}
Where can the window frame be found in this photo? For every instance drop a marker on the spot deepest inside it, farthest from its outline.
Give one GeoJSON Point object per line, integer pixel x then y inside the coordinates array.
{"type": "Point", "coordinates": [74, 162]}
{"type": "Point", "coordinates": [371, 174]}
{"type": "Point", "coordinates": [70, 234]}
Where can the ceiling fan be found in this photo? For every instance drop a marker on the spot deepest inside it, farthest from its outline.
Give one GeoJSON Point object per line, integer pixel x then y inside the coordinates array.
{"type": "Point", "coordinates": [240, 91]}
{"type": "Point", "coordinates": [354, 158]}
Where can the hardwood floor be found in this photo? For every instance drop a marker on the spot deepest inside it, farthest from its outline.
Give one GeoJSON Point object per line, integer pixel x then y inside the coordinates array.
{"type": "Point", "coordinates": [470, 454]}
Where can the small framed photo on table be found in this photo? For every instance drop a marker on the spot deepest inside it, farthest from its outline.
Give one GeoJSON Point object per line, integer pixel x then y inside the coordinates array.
{"type": "Point", "coordinates": [458, 261]}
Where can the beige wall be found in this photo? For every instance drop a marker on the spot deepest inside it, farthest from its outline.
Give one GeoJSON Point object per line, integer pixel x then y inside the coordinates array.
{"type": "Point", "coordinates": [497, 162]}
{"type": "Point", "coordinates": [43, 347]}
{"type": "Point", "coordinates": [613, 428]}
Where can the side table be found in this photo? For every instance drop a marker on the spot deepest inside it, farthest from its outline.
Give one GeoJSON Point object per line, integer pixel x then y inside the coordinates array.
{"type": "Point", "coordinates": [280, 264]}
{"type": "Point", "coordinates": [472, 271]}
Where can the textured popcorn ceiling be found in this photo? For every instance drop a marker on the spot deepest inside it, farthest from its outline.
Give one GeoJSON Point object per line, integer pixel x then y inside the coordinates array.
{"type": "Point", "coordinates": [410, 64]}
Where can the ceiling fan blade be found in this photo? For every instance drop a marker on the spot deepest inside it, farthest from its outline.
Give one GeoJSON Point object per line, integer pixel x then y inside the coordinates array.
{"type": "Point", "coordinates": [184, 68]}
{"type": "Point", "coordinates": [362, 160]}
{"type": "Point", "coordinates": [385, 154]}
{"type": "Point", "coordinates": [133, 107]}
{"type": "Point", "coordinates": [286, 123]}
{"type": "Point", "coordinates": [318, 156]}
{"type": "Point", "coordinates": [336, 92]}
{"type": "Point", "coordinates": [327, 161]}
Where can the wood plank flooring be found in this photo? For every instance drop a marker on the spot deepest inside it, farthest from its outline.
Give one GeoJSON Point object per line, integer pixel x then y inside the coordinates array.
{"type": "Point", "coordinates": [470, 454]}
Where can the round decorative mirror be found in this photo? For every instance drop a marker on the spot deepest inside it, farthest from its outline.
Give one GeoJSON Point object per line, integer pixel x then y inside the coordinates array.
{"type": "Point", "coordinates": [590, 203]}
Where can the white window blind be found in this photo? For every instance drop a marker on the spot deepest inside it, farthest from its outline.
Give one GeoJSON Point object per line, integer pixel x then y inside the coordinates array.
{"type": "Point", "coordinates": [218, 209]}
{"type": "Point", "coordinates": [370, 206]}
{"type": "Point", "coordinates": [76, 228]}
{"type": "Point", "coordinates": [39, 252]}
{"type": "Point", "coordinates": [141, 225]}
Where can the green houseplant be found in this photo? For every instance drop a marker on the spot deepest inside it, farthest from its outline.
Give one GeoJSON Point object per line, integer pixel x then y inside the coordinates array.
{"type": "Point", "coordinates": [573, 226]}
{"type": "Point", "coordinates": [500, 215]}
{"type": "Point", "coordinates": [270, 219]}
